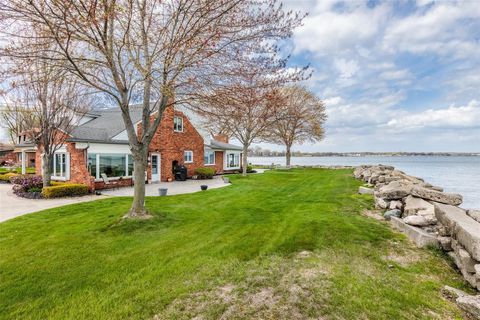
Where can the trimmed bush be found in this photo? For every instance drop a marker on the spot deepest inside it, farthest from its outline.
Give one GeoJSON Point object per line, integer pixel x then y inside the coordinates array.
{"type": "Point", "coordinates": [205, 173]}
{"type": "Point", "coordinates": [7, 176]}
{"type": "Point", "coordinates": [249, 168]}
{"type": "Point", "coordinates": [65, 190]}
{"type": "Point", "coordinates": [57, 183]}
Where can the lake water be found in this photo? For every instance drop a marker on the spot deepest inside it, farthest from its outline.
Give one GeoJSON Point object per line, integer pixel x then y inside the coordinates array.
{"type": "Point", "coordinates": [454, 174]}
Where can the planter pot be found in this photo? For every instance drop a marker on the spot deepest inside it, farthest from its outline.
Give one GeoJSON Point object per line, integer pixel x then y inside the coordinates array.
{"type": "Point", "coordinates": [226, 179]}
{"type": "Point", "coordinates": [204, 187]}
{"type": "Point", "coordinates": [162, 191]}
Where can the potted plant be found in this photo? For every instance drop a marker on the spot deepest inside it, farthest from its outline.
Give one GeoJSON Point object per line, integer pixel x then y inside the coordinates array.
{"type": "Point", "coordinates": [162, 191]}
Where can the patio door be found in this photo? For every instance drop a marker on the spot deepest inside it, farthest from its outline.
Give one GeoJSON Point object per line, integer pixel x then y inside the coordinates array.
{"type": "Point", "coordinates": [155, 167]}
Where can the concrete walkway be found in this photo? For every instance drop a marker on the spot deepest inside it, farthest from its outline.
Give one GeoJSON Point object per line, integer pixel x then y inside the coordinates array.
{"type": "Point", "coordinates": [12, 206]}
{"type": "Point", "coordinates": [174, 187]}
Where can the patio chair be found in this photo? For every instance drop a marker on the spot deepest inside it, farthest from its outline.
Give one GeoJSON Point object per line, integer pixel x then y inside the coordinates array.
{"type": "Point", "coordinates": [109, 184]}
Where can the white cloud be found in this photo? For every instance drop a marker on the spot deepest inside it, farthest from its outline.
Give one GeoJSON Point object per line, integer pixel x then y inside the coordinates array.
{"type": "Point", "coordinates": [467, 116]}
{"type": "Point", "coordinates": [346, 68]}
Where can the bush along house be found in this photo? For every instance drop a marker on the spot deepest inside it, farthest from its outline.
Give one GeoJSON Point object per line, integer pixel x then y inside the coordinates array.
{"type": "Point", "coordinates": [98, 148]}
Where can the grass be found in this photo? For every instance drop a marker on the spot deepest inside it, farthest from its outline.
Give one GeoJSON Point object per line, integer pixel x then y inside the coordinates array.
{"type": "Point", "coordinates": [17, 170]}
{"type": "Point", "coordinates": [279, 245]}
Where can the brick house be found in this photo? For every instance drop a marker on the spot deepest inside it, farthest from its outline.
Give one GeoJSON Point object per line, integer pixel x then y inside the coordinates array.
{"type": "Point", "coordinates": [7, 154]}
{"type": "Point", "coordinates": [99, 145]}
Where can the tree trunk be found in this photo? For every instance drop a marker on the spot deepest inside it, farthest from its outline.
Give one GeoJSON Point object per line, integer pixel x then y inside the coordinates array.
{"type": "Point", "coordinates": [46, 169]}
{"type": "Point", "coordinates": [244, 160]}
{"type": "Point", "coordinates": [138, 204]}
{"type": "Point", "coordinates": [288, 155]}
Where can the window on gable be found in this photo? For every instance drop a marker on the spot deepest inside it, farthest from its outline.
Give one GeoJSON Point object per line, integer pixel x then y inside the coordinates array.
{"type": "Point", "coordinates": [209, 157]}
{"type": "Point", "coordinates": [188, 156]}
{"type": "Point", "coordinates": [178, 124]}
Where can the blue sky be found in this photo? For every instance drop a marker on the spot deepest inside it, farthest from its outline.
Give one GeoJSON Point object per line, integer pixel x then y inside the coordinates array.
{"type": "Point", "coordinates": [395, 75]}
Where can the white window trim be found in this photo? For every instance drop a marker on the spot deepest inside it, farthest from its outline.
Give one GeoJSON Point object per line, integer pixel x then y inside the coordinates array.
{"type": "Point", "coordinates": [67, 167]}
{"type": "Point", "coordinates": [185, 153]}
{"type": "Point", "coordinates": [235, 153]}
{"type": "Point", "coordinates": [209, 164]}
{"type": "Point", "coordinates": [97, 167]}
{"type": "Point", "coordinates": [177, 117]}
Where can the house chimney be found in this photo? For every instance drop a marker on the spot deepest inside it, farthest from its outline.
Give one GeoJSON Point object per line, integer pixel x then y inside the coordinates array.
{"type": "Point", "coordinates": [221, 137]}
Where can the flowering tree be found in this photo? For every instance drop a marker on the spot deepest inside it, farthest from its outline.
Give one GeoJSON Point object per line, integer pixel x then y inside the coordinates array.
{"type": "Point", "coordinates": [300, 117]}
{"type": "Point", "coordinates": [156, 52]}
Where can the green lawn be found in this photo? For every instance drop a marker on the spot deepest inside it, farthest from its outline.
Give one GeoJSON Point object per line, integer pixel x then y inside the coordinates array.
{"type": "Point", "coordinates": [17, 170]}
{"type": "Point", "coordinates": [279, 245]}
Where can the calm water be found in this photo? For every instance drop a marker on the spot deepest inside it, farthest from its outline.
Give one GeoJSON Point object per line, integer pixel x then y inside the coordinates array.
{"type": "Point", "coordinates": [454, 174]}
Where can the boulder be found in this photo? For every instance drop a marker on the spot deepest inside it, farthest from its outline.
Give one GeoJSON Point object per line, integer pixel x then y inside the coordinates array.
{"type": "Point", "coordinates": [394, 190]}
{"type": "Point", "coordinates": [453, 293]}
{"type": "Point", "coordinates": [365, 190]}
{"type": "Point", "coordinates": [445, 243]}
{"type": "Point", "coordinates": [414, 205]}
{"type": "Point", "coordinates": [464, 228]}
{"type": "Point", "coordinates": [396, 204]}
{"type": "Point", "coordinates": [465, 261]}
{"type": "Point", "coordinates": [437, 196]}
{"type": "Point", "coordinates": [436, 188]}
{"type": "Point", "coordinates": [474, 214]}
{"type": "Point", "coordinates": [417, 235]}
{"type": "Point", "coordinates": [470, 304]}
{"type": "Point", "coordinates": [418, 221]}
{"type": "Point", "coordinates": [380, 203]}
{"type": "Point", "coordinates": [392, 213]}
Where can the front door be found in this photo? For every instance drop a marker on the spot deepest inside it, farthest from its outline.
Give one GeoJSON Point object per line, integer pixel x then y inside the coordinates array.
{"type": "Point", "coordinates": [155, 167]}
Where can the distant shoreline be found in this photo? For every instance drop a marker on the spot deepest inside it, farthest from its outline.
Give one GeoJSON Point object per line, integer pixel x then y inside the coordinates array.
{"type": "Point", "coordinates": [374, 154]}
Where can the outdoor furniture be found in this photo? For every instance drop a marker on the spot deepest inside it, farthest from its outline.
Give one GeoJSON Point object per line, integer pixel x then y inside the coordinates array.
{"type": "Point", "coordinates": [109, 184]}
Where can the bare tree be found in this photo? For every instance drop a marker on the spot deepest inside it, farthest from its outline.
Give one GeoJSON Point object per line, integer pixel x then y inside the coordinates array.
{"type": "Point", "coordinates": [14, 118]}
{"type": "Point", "coordinates": [153, 51]}
{"type": "Point", "coordinates": [47, 104]}
{"type": "Point", "coordinates": [244, 108]}
{"type": "Point", "coordinates": [300, 118]}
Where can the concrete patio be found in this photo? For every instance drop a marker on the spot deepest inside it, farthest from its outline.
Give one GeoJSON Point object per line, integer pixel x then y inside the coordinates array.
{"type": "Point", "coordinates": [174, 187]}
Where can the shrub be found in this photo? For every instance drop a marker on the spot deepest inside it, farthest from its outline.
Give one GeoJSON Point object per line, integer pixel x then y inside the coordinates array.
{"type": "Point", "coordinates": [205, 173]}
{"type": "Point", "coordinates": [7, 176]}
{"type": "Point", "coordinates": [57, 183]}
{"type": "Point", "coordinates": [22, 183]}
{"type": "Point", "coordinates": [65, 190]}
{"type": "Point", "coordinates": [249, 168]}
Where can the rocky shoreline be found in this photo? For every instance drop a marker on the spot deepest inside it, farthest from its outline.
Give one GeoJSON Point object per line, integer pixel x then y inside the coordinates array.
{"type": "Point", "coordinates": [429, 217]}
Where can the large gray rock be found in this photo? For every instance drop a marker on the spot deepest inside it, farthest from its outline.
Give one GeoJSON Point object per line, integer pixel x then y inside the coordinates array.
{"type": "Point", "coordinates": [437, 196]}
{"type": "Point", "coordinates": [474, 214]}
{"type": "Point", "coordinates": [445, 243]}
{"type": "Point", "coordinates": [470, 304]}
{"type": "Point", "coordinates": [396, 204]}
{"type": "Point", "coordinates": [453, 293]}
{"type": "Point", "coordinates": [365, 190]}
{"type": "Point", "coordinates": [462, 227]}
{"type": "Point", "coordinates": [395, 190]}
{"type": "Point", "coordinates": [418, 221]}
{"type": "Point", "coordinates": [392, 213]}
{"type": "Point", "coordinates": [380, 203]}
{"type": "Point", "coordinates": [417, 235]}
{"type": "Point", "coordinates": [463, 258]}
{"type": "Point", "coordinates": [414, 205]}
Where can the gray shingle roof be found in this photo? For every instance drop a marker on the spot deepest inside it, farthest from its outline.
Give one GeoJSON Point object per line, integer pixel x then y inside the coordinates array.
{"type": "Point", "coordinates": [105, 126]}
{"type": "Point", "coordinates": [214, 144]}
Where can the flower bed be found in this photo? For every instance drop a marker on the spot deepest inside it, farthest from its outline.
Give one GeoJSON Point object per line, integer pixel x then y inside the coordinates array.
{"type": "Point", "coordinates": [27, 186]}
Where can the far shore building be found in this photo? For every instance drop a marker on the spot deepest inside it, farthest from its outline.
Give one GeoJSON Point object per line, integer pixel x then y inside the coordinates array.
{"type": "Point", "coordinates": [98, 147]}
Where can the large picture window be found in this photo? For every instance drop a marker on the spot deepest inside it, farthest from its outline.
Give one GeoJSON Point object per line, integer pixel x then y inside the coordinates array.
{"type": "Point", "coordinates": [209, 157]}
{"type": "Point", "coordinates": [178, 124]}
{"type": "Point", "coordinates": [113, 165]}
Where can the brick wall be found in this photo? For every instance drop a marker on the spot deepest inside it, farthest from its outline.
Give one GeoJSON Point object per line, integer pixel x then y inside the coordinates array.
{"type": "Point", "coordinates": [221, 137]}
{"type": "Point", "coordinates": [78, 166]}
{"type": "Point", "coordinates": [8, 156]}
{"type": "Point", "coordinates": [126, 182]}
{"type": "Point", "coordinates": [219, 162]}
{"type": "Point", "coordinates": [171, 145]}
